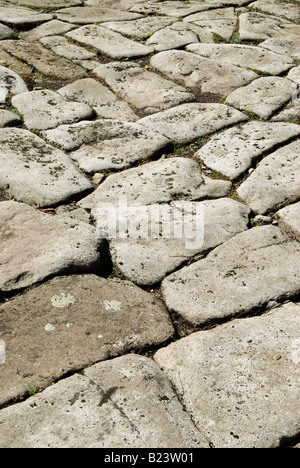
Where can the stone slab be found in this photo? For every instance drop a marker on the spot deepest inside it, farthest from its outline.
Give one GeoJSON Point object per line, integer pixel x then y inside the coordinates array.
{"type": "Point", "coordinates": [46, 109]}
{"type": "Point", "coordinates": [258, 27]}
{"type": "Point", "coordinates": [51, 28]}
{"type": "Point", "coordinates": [44, 60]}
{"type": "Point", "coordinates": [207, 75]}
{"type": "Point", "coordinates": [233, 151]}
{"type": "Point", "coordinates": [88, 15]}
{"type": "Point", "coordinates": [186, 122]}
{"type": "Point", "coordinates": [36, 173]}
{"type": "Point", "coordinates": [9, 119]}
{"type": "Point", "coordinates": [288, 9]}
{"type": "Point", "coordinates": [11, 62]}
{"type": "Point", "coordinates": [218, 21]}
{"type": "Point", "coordinates": [108, 144]}
{"type": "Point", "coordinates": [160, 238]}
{"type": "Point", "coordinates": [275, 182]}
{"type": "Point", "coordinates": [61, 46]}
{"type": "Point", "coordinates": [174, 36]}
{"type": "Point", "coordinates": [141, 28]}
{"type": "Point", "coordinates": [290, 113]}
{"type": "Point", "coordinates": [77, 321]}
{"type": "Point", "coordinates": [36, 246]}
{"type": "Point", "coordinates": [6, 32]}
{"type": "Point", "coordinates": [252, 98]}
{"type": "Point", "coordinates": [289, 219]}
{"type": "Point", "coordinates": [282, 46]}
{"type": "Point", "coordinates": [123, 402]}
{"type": "Point", "coordinates": [108, 42]}
{"type": "Point", "coordinates": [20, 16]}
{"type": "Point", "coordinates": [144, 89]}
{"type": "Point", "coordinates": [239, 381]}
{"type": "Point", "coordinates": [49, 4]}
{"type": "Point", "coordinates": [243, 274]}
{"type": "Point", "coordinates": [294, 75]}
{"type": "Point", "coordinates": [10, 84]}
{"type": "Point", "coordinates": [244, 56]}
{"type": "Point", "coordinates": [155, 182]}
{"type": "Point", "coordinates": [177, 9]}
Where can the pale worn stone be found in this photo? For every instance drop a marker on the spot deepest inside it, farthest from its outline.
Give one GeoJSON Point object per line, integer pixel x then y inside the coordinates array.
{"type": "Point", "coordinates": [258, 26]}
{"type": "Point", "coordinates": [108, 144]}
{"type": "Point", "coordinates": [177, 35]}
{"type": "Point", "coordinates": [283, 46]}
{"type": "Point", "coordinates": [8, 61]}
{"type": "Point", "coordinates": [275, 182]}
{"type": "Point", "coordinates": [220, 21]}
{"type": "Point", "coordinates": [290, 113]}
{"type": "Point", "coordinates": [61, 46]}
{"type": "Point", "coordinates": [45, 109]}
{"type": "Point", "coordinates": [87, 15]}
{"type": "Point", "coordinates": [187, 122]}
{"type": "Point", "coordinates": [289, 9]}
{"type": "Point", "coordinates": [92, 319]}
{"type": "Point", "coordinates": [233, 151]}
{"type": "Point", "coordinates": [177, 9]}
{"type": "Point", "coordinates": [123, 402]}
{"type": "Point", "coordinates": [9, 119]}
{"type": "Point", "coordinates": [263, 96]}
{"type": "Point", "coordinates": [156, 182]}
{"type": "Point", "coordinates": [246, 272]}
{"type": "Point", "coordinates": [144, 89]}
{"type": "Point", "coordinates": [6, 32]}
{"type": "Point", "coordinates": [100, 98]}
{"type": "Point", "coordinates": [10, 83]}
{"type": "Point", "coordinates": [49, 4]}
{"type": "Point", "coordinates": [20, 16]}
{"type": "Point", "coordinates": [44, 60]}
{"type": "Point", "coordinates": [141, 28]}
{"type": "Point", "coordinates": [289, 219]}
{"type": "Point", "coordinates": [51, 28]}
{"type": "Point", "coordinates": [36, 173]}
{"type": "Point", "coordinates": [244, 56]}
{"type": "Point", "coordinates": [36, 246]}
{"type": "Point", "coordinates": [240, 381]}
{"type": "Point", "coordinates": [201, 73]}
{"type": "Point", "coordinates": [177, 233]}
{"type": "Point", "coordinates": [294, 75]}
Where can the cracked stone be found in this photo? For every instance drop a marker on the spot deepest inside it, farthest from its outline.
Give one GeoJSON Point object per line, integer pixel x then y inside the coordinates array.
{"type": "Point", "coordinates": [258, 26]}
{"type": "Point", "coordinates": [175, 8]}
{"type": "Point", "coordinates": [283, 46]}
{"type": "Point", "coordinates": [288, 9]}
{"type": "Point", "coordinates": [220, 21]}
{"type": "Point", "coordinates": [10, 83]}
{"type": "Point", "coordinates": [141, 28]}
{"type": "Point", "coordinates": [87, 15]}
{"type": "Point", "coordinates": [289, 219]}
{"type": "Point", "coordinates": [61, 46]}
{"type": "Point", "coordinates": [172, 37]}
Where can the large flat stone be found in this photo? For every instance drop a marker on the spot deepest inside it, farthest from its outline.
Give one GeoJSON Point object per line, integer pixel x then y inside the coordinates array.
{"type": "Point", "coordinates": [233, 151]}
{"type": "Point", "coordinates": [155, 182]}
{"type": "Point", "coordinates": [187, 122]}
{"type": "Point", "coordinates": [294, 75]}
{"type": "Point", "coordinates": [77, 321]}
{"type": "Point", "coordinates": [45, 109]}
{"type": "Point", "coordinates": [108, 144]}
{"type": "Point", "coordinates": [258, 27]}
{"type": "Point", "coordinates": [218, 21]}
{"type": "Point", "coordinates": [11, 62]}
{"type": "Point", "coordinates": [10, 84]}
{"type": "Point", "coordinates": [170, 235]}
{"type": "Point", "coordinates": [174, 36]}
{"type": "Point", "coordinates": [36, 173]}
{"type": "Point", "coordinates": [44, 60]}
{"type": "Point", "coordinates": [123, 402]}
{"type": "Point", "coordinates": [51, 28]}
{"type": "Point", "coordinates": [244, 56]}
{"type": "Point", "coordinates": [35, 246]}
{"type": "Point", "coordinates": [20, 16]}
{"type": "Point", "coordinates": [289, 219]}
{"type": "Point", "coordinates": [246, 272]}
{"type": "Point", "coordinates": [88, 15]}
{"type": "Point", "coordinates": [290, 113]}
{"type": "Point", "coordinates": [100, 98]}
{"type": "Point", "coordinates": [240, 381]}
{"type": "Point", "coordinates": [275, 182]}
{"type": "Point", "coordinates": [49, 4]}
{"type": "Point", "coordinates": [61, 46]}
{"type": "Point", "coordinates": [177, 9]}
{"type": "Point", "coordinates": [263, 96]}
{"type": "Point", "coordinates": [144, 89]}
{"type": "Point", "coordinates": [288, 9]}
{"type": "Point", "coordinates": [197, 72]}
{"type": "Point", "coordinates": [284, 46]}
{"type": "Point", "coordinates": [108, 42]}
{"type": "Point", "coordinates": [141, 28]}
{"type": "Point", "coordinates": [6, 32]}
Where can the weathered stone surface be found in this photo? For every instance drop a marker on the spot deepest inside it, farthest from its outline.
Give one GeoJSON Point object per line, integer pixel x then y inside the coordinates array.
{"type": "Point", "coordinates": [220, 21]}
{"type": "Point", "coordinates": [177, 35]}
{"type": "Point", "coordinates": [109, 42]}
{"type": "Point", "coordinates": [61, 46]}
{"type": "Point", "coordinates": [36, 173]}
{"type": "Point", "coordinates": [9, 119]}
{"type": "Point", "coordinates": [290, 113]}
{"type": "Point", "coordinates": [175, 8]}
{"type": "Point", "coordinates": [36, 246]}
{"type": "Point", "coordinates": [263, 96]}
{"type": "Point", "coordinates": [100, 98]}
{"type": "Point", "coordinates": [8, 61]}
{"type": "Point", "coordinates": [146, 90]}
{"type": "Point", "coordinates": [289, 219]}
{"type": "Point", "coordinates": [77, 321]}
{"type": "Point", "coordinates": [275, 182]}
{"type": "Point", "coordinates": [288, 46]}
{"type": "Point", "coordinates": [20, 16]}
{"type": "Point", "coordinates": [233, 151]}
{"type": "Point", "coordinates": [126, 401]}
{"type": "Point", "coordinates": [51, 28]}
{"type": "Point", "coordinates": [200, 72]}
{"type": "Point", "coordinates": [44, 60]}
{"type": "Point", "coordinates": [294, 75]}
{"type": "Point", "coordinates": [45, 109]}
{"type": "Point", "coordinates": [155, 182]}
{"type": "Point", "coordinates": [87, 15]}
{"type": "Point", "coordinates": [10, 83]}
{"type": "Point", "coordinates": [177, 232]}
{"type": "Point", "coordinates": [258, 26]}
{"type": "Point", "coordinates": [187, 122]}
{"type": "Point", "coordinates": [108, 144]}
{"type": "Point", "coordinates": [246, 272]}
{"type": "Point", "coordinates": [46, 3]}
{"type": "Point", "coordinates": [141, 28]}
{"type": "Point", "coordinates": [6, 32]}
{"type": "Point", "coordinates": [239, 381]}
{"type": "Point", "coordinates": [244, 56]}
{"type": "Point", "coordinates": [288, 9]}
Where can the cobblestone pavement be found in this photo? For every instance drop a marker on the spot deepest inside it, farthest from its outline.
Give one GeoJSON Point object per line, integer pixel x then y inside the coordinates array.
{"type": "Point", "coordinates": [150, 223]}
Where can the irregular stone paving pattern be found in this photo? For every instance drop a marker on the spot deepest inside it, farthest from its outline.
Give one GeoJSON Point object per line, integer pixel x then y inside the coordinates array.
{"type": "Point", "coordinates": [149, 223]}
